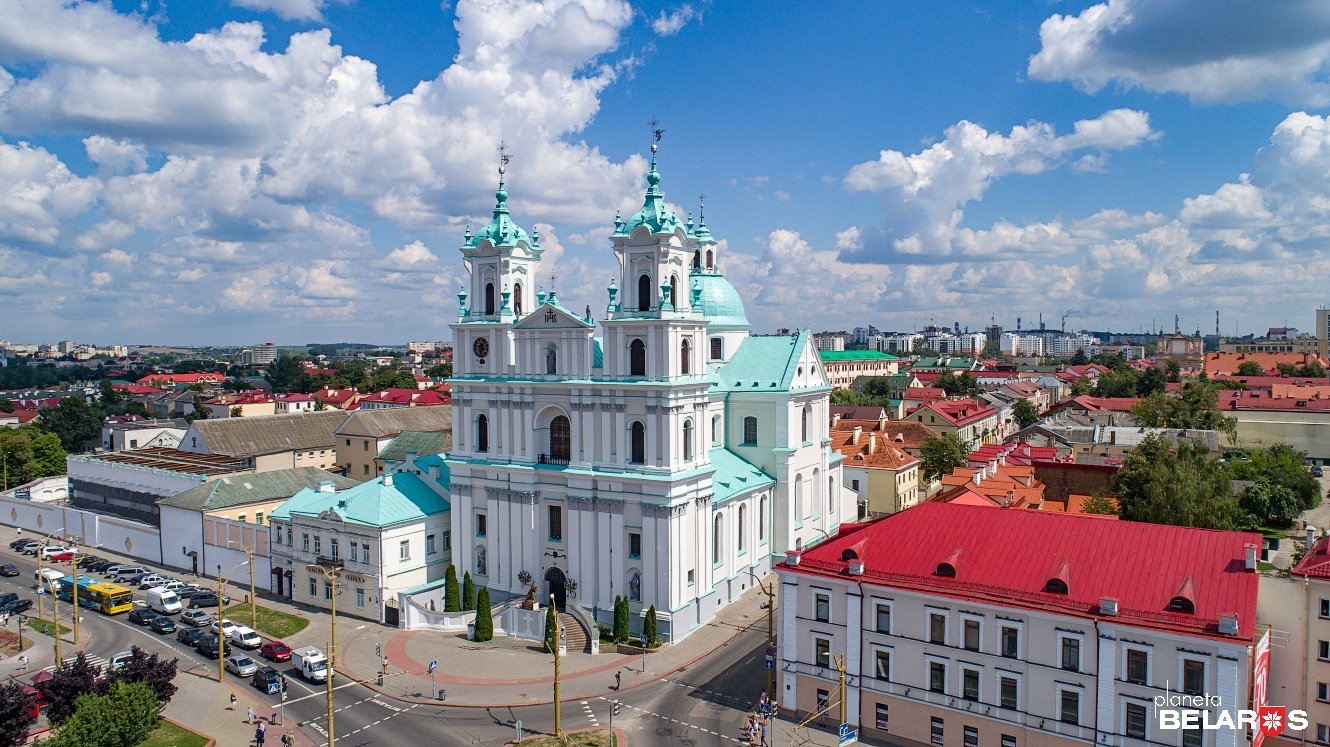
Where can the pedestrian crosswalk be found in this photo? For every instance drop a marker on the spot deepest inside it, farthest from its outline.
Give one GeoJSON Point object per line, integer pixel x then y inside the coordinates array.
{"type": "Point", "coordinates": [590, 714]}
{"type": "Point", "coordinates": [96, 661]}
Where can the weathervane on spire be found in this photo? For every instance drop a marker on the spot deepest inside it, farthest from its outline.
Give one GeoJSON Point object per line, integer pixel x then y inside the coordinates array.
{"type": "Point", "coordinates": [656, 132]}
{"type": "Point", "coordinates": [504, 156]}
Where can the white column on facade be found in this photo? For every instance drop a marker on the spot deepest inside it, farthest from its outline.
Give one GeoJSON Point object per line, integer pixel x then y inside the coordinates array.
{"type": "Point", "coordinates": [1228, 679]}
{"type": "Point", "coordinates": [605, 589]}
{"type": "Point", "coordinates": [788, 641]}
{"type": "Point", "coordinates": [854, 606]}
{"type": "Point", "coordinates": [1105, 672]}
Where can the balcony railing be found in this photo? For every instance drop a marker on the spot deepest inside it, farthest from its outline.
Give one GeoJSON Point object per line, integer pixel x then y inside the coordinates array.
{"type": "Point", "coordinates": [559, 461]}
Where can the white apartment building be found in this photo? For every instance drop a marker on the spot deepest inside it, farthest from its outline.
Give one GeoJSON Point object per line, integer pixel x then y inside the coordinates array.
{"type": "Point", "coordinates": [1022, 346]}
{"type": "Point", "coordinates": [967, 625]}
{"type": "Point", "coordinates": [829, 342]}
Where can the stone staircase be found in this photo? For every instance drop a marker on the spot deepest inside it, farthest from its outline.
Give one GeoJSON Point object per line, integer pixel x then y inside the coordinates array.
{"type": "Point", "coordinates": [575, 639]}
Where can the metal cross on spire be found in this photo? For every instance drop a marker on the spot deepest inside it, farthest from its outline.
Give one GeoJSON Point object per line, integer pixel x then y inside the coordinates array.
{"type": "Point", "coordinates": [504, 156]}
{"type": "Point", "coordinates": [656, 132]}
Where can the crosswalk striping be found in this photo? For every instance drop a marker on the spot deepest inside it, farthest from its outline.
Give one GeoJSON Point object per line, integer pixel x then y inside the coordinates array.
{"type": "Point", "coordinates": [677, 721]}
{"type": "Point", "coordinates": [96, 661]}
{"type": "Point", "coordinates": [590, 714]}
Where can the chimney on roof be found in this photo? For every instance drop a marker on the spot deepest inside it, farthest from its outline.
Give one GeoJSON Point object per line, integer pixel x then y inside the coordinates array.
{"type": "Point", "coordinates": [1311, 536]}
{"type": "Point", "coordinates": [792, 558]}
{"type": "Point", "coordinates": [856, 568]}
{"type": "Point", "coordinates": [388, 480]}
{"type": "Point", "coordinates": [882, 422]}
{"type": "Point", "coordinates": [855, 434]}
{"type": "Point", "coordinates": [977, 477]}
{"type": "Point", "coordinates": [1228, 623]}
{"type": "Point", "coordinates": [835, 419]}
{"type": "Point", "coordinates": [992, 468]}
{"type": "Point", "coordinates": [1250, 561]}
{"type": "Point", "coordinates": [872, 443]}
{"type": "Point", "coordinates": [1108, 606]}
{"type": "Point", "coordinates": [326, 486]}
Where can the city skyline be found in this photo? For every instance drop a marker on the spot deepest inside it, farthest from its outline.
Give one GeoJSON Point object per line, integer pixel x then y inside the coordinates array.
{"type": "Point", "coordinates": [304, 170]}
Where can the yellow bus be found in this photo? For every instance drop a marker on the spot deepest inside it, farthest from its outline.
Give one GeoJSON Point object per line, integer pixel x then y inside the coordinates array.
{"type": "Point", "coordinates": [106, 597]}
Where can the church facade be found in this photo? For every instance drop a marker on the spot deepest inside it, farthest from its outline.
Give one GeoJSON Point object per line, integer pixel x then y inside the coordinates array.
{"type": "Point", "coordinates": [662, 454]}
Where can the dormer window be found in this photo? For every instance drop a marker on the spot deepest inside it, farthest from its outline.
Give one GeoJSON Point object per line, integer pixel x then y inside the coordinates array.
{"type": "Point", "coordinates": [1056, 586]}
{"type": "Point", "coordinates": [945, 570]}
{"type": "Point", "coordinates": [1182, 604]}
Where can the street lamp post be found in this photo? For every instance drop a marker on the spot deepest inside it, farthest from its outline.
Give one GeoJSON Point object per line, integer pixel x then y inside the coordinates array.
{"type": "Point", "coordinates": [221, 633]}
{"type": "Point", "coordinates": [331, 571]}
{"type": "Point", "coordinates": [253, 612]}
{"type": "Point", "coordinates": [770, 591]}
{"type": "Point", "coordinates": [558, 724]}
{"type": "Point", "coordinates": [55, 621]}
{"type": "Point", "coordinates": [838, 660]}
{"type": "Point", "coordinates": [41, 545]}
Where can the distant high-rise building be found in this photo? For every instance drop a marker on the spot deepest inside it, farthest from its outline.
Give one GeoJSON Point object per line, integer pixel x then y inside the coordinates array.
{"type": "Point", "coordinates": [259, 355]}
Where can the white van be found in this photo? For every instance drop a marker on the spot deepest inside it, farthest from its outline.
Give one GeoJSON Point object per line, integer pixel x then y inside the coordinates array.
{"type": "Point", "coordinates": [46, 576]}
{"type": "Point", "coordinates": [164, 601]}
{"type": "Point", "coordinates": [52, 550]}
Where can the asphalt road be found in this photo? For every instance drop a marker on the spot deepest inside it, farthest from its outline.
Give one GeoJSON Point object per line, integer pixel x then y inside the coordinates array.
{"type": "Point", "coordinates": [702, 706]}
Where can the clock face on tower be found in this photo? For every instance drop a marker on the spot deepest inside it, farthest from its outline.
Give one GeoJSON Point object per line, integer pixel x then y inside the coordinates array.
{"type": "Point", "coordinates": [481, 347]}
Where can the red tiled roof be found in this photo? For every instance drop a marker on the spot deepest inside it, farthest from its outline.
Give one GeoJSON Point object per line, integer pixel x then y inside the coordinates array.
{"type": "Point", "coordinates": [1100, 404]}
{"type": "Point", "coordinates": [924, 393]}
{"type": "Point", "coordinates": [958, 412]}
{"type": "Point", "coordinates": [335, 397]}
{"type": "Point", "coordinates": [1227, 363]}
{"type": "Point", "coordinates": [886, 454]}
{"type": "Point", "coordinates": [1266, 382]}
{"type": "Point", "coordinates": [1316, 563]}
{"type": "Point", "coordinates": [413, 397]}
{"type": "Point", "coordinates": [181, 378]}
{"type": "Point", "coordinates": [1231, 399]}
{"type": "Point", "coordinates": [295, 397]}
{"type": "Point", "coordinates": [903, 434]}
{"type": "Point", "coordinates": [1141, 565]}
{"type": "Point", "coordinates": [132, 389]}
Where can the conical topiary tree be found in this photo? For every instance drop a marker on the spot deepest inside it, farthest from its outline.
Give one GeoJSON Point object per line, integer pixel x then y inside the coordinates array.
{"type": "Point", "coordinates": [484, 619]}
{"type": "Point", "coordinates": [550, 622]}
{"type": "Point", "coordinates": [621, 620]}
{"type": "Point", "coordinates": [452, 600]}
{"type": "Point", "coordinates": [468, 592]}
{"type": "Point", "coordinates": [649, 628]}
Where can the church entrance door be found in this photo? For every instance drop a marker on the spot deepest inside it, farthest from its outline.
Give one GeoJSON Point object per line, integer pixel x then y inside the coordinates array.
{"type": "Point", "coordinates": [556, 584]}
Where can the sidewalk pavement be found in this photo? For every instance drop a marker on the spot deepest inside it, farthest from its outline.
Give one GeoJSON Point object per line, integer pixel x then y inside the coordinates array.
{"type": "Point", "coordinates": [203, 705]}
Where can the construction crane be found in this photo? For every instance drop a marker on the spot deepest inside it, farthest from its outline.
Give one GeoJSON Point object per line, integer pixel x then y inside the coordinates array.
{"type": "Point", "coordinates": [1069, 312]}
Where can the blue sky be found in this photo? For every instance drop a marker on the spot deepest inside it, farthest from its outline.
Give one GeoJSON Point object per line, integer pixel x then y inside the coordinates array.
{"type": "Point", "coordinates": [302, 170]}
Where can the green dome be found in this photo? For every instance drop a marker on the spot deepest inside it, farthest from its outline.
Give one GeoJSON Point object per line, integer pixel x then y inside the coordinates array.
{"type": "Point", "coordinates": [655, 215]}
{"type": "Point", "coordinates": [501, 230]}
{"type": "Point", "coordinates": [720, 302]}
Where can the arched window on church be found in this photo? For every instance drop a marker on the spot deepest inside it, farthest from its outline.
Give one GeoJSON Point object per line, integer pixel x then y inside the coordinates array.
{"type": "Point", "coordinates": [517, 299]}
{"type": "Point", "coordinates": [489, 298]}
{"type": "Point", "coordinates": [718, 540]}
{"type": "Point", "coordinates": [685, 358]}
{"type": "Point", "coordinates": [805, 422]}
{"type": "Point", "coordinates": [743, 525]}
{"type": "Point", "coordinates": [637, 358]}
{"type": "Point", "coordinates": [831, 496]}
{"type": "Point", "coordinates": [715, 430]}
{"type": "Point", "coordinates": [674, 291]}
{"type": "Point", "coordinates": [688, 440]}
{"type": "Point", "coordinates": [644, 293]}
{"type": "Point", "coordinates": [717, 347]}
{"type": "Point", "coordinates": [561, 440]}
{"type": "Point", "coordinates": [697, 259]}
{"type": "Point", "coordinates": [762, 519]}
{"type": "Point", "coordinates": [798, 497]}
{"type": "Point", "coordinates": [482, 433]}
{"type": "Point", "coordinates": [551, 360]}
{"type": "Point", "coordinates": [637, 443]}
{"type": "Point", "coordinates": [709, 259]}
{"type": "Point", "coordinates": [815, 489]}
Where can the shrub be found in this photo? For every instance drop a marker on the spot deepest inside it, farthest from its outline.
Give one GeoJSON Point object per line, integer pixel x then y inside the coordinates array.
{"type": "Point", "coordinates": [649, 628]}
{"type": "Point", "coordinates": [468, 592]}
{"type": "Point", "coordinates": [452, 600]}
{"type": "Point", "coordinates": [484, 618]}
{"type": "Point", "coordinates": [621, 619]}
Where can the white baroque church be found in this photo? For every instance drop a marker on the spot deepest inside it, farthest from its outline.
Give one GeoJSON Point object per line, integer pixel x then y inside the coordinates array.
{"type": "Point", "coordinates": [664, 455]}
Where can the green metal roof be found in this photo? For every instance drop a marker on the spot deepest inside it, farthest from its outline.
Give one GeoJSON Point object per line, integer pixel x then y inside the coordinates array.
{"type": "Point", "coordinates": [501, 230]}
{"type": "Point", "coordinates": [417, 443]}
{"type": "Point", "coordinates": [655, 214]}
{"type": "Point", "coordinates": [734, 476]}
{"type": "Point", "coordinates": [763, 364]}
{"type": "Point", "coordinates": [373, 503]}
{"type": "Point", "coordinates": [721, 305]}
{"type": "Point", "coordinates": [855, 355]}
{"type": "Point", "coordinates": [260, 487]}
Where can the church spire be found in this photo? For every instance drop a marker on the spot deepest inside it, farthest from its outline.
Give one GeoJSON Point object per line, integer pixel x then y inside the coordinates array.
{"type": "Point", "coordinates": [655, 214]}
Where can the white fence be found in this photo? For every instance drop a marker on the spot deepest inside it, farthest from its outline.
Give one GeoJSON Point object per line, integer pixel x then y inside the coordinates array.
{"type": "Point", "coordinates": [93, 530]}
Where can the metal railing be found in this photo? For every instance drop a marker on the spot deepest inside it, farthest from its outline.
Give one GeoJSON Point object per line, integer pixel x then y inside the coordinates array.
{"type": "Point", "coordinates": [559, 461]}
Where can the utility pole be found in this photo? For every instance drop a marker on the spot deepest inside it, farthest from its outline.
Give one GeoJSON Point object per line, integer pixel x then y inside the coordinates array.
{"type": "Point", "coordinates": [558, 724]}
{"type": "Point", "coordinates": [253, 612]}
{"type": "Point", "coordinates": [55, 621]}
{"type": "Point", "coordinates": [221, 635]}
{"type": "Point", "coordinates": [770, 592]}
{"type": "Point", "coordinates": [331, 571]}
{"type": "Point", "coordinates": [74, 592]}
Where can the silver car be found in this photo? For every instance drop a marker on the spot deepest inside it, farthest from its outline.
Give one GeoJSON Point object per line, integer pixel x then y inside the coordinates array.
{"type": "Point", "coordinates": [241, 666]}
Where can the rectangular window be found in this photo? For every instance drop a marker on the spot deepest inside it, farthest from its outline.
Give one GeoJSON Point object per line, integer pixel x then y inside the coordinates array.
{"type": "Point", "coordinates": [935, 730]}
{"type": "Point", "coordinates": [823, 701]}
{"type": "Point", "coordinates": [404, 550]}
{"type": "Point", "coordinates": [1071, 654]}
{"type": "Point", "coordinates": [970, 736]}
{"type": "Point", "coordinates": [1008, 741]}
{"type": "Point", "coordinates": [327, 590]}
{"type": "Point", "coordinates": [364, 445]}
{"type": "Point", "coordinates": [881, 718]}
{"type": "Point", "coordinates": [1011, 642]}
{"type": "Point", "coordinates": [970, 684]}
{"type": "Point", "coordinates": [715, 348]}
{"type": "Point", "coordinates": [937, 677]}
{"type": "Point", "coordinates": [258, 517]}
{"type": "Point", "coordinates": [447, 540]}
{"type": "Point", "coordinates": [481, 525]}
{"type": "Point", "coordinates": [1323, 650]}
{"type": "Point", "coordinates": [1136, 666]}
{"type": "Point", "coordinates": [882, 665]}
{"type": "Point", "coordinates": [821, 652]}
{"type": "Point", "coordinates": [1325, 608]}
{"type": "Point", "coordinates": [364, 553]}
{"type": "Point", "coordinates": [1008, 693]}
{"type": "Point", "coordinates": [313, 588]}
{"type": "Point", "coordinates": [750, 431]}
{"type": "Point", "coordinates": [634, 544]}
{"type": "Point", "coordinates": [364, 468]}
{"type": "Point", "coordinates": [1323, 733]}
{"type": "Point", "coordinates": [1193, 677]}
{"type": "Point", "coordinates": [353, 554]}
{"type": "Point", "coordinates": [318, 544]}
{"type": "Point", "coordinates": [972, 635]}
{"type": "Point", "coordinates": [1135, 719]}
{"type": "Point", "coordinates": [822, 608]}
{"type": "Point", "coordinates": [360, 597]}
{"type": "Point", "coordinates": [241, 518]}
{"type": "Point", "coordinates": [289, 532]}
{"type": "Point", "coordinates": [1322, 691]}
{"type": "Point", "coordinates": [332, 547]}
{"type": "Point", "coordinates": [556, 523]}
{"type": "Point", "coordinates": [1193, 738]}
{"type": "Point", "coordinates": [690, 576]}
{"type": "Point", "coordinates": [1070, 712]}
{"type": "Point", "coordinates": [277, 538]}
{"type": "Point", "coordinates": [883, 618]}
{"type": "Point", "coordinates": [937, 628]}
{"type": "Point", "coordinates": [854, 485]}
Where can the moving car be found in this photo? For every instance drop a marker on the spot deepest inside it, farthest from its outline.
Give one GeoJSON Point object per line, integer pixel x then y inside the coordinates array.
{"type": "Point", "coordinates": [223, 626]}
{"type": "Point", "coordinates": [311, 663]}
{"type": "Point", "coordinates": [206, 599]}
{"type": "Point", "coordinates": [269, 680]}
{"type": "Point", "coordinates": [208, 646]}
{"type": "Point", "coordinates": [162, 624]}
{"type": "Point", "coordinates": [152, 581]}
{"type": "Point", "coordinates": [241, 665]}
{"type": "Point", "coordinates": [16, 606]}
{"type": "Point", "coordinates": [197, 618]}
{"type": "Point", "coordinates": [245, 637]}
{"type": "Point", "coordinates": [9, 570]}
{"type": "Point", "coordinates": [46, 577]}
{"type": "Point", "coordinates": [141, 615]}
{"type": "Point", "coordinates": [189, 636]}
{"type": "Point", "coordinates": [163, 601]}
{"type": "Point", "coordinates": [275, 651]}
{"type": "Point", "coordinates": [119, 661]}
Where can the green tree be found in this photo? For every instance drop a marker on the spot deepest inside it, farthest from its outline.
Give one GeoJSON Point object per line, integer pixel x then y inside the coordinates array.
{"type": "Point", "coordinates": [1286, 369]}
{"type": "Point", "coordinates": [621, 631]}
{"type": "Point", "coordinates": [18, 464]}
{"type": "Point", "coordinates": [73, 678]}
{"type": "Point", "coordinates": [849, 397]}
{"type": "Point", "coordinates": [484, 616]}
{"type": "Point", "coordinates": [122, 717]}
{"type": "Point", "coordinates": [74, 422]}
{"type": "Point", "coordinates": [1025, 412]}
{"type": "Point", "coordinates": [468, 592]}
{"type": "Point", "coordinates": [1250, 368]}
{"type": "Point", "coordinates": [6, 405]}
{"type": "Point", "coordinates": [108, 396]}
{"type": "Point", "coordinates": [440, 371]}
{"type": "Point", "coordinates": [287, 374]}
{"type": "Point", "coordinates": [1080, 387]}
{"type": "Point", "coordinates": [956, 384]}
{"type": "Point", "coordinates": [201, 410]}
{"type": "Point", "coordinates": [1150, 381]}
{"type": "Point", "coordinates": [1192, 406]}
{"type": "Point", "coordinates": [16, 715]}
{"type": "Point", "coordinates": [1113, 361]}
{"type": "Point", "coordinates": [649, 628]}
{"type": "Point", "coordinates": [1312, 370]}
{"type": "Point", "coordinates": [47, 454]}
{"type": "Point", "coordinates": [1269, 502]}
{"type": "Point", "coordinates": [550, 622]}
{"type": "Point", "coordinates": [1182, 487]}
{"type": "Point", "coordinates": [941, 454]}
{"type": "Point", "coordinates": [1173, 370]}
{"type": "Point", "coordinates": [452, 598]}
{"type": "Point", "coordinates": [1282, 465]}
{"type": "Point", "coordinates": [1122, 383]}
{"type": "Point", "coordinates": [150, 669]}
{"type": "Point", "coordinates": [392, 379]}
{"type": "Point", "coordinates": [1098, 504]}
{"type": "Point", "coordinates": [1079, 358]}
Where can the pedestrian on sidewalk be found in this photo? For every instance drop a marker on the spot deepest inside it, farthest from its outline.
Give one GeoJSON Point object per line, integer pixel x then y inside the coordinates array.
{"type": "Point", "coordinates": [288, 740]}
{"type": "Point", "coordinates": [249, 718]}
{"type": "Point", "coordinates": [232, 707]}
{"type": "Point", "coordinates": [22, 662]}
{"type": "Point", "coordinates": [618, 678]}
{"type": "Point", "coordinates": [261, 732]}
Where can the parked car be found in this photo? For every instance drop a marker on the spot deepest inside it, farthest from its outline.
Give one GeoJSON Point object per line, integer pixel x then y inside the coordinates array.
{"type": "Point", "coordinates": [62, 557]}
{"type": "Point", "coordinates": [1317, 471]}
{"type": "Point", "coordinates": [152, 581]}
{"type": "Point", "coordinates": [245, 637]}
{"type": "Point", "coordinates": [9, 570]}
{"type": "Point", "coordinates": [8, 597]}
{"type": "Point", "coordinates": [141, 615]}
{"type": "Point", "coordinates": [99, 566]}
{"type": "Point", "coordinates": [206, 599]}
{"type": "Point", "coordinates": [189, 636]}
{"type": "Point", "coordinates": [16, 606]}
{"type": "Point", "coordinates": [208, 645]}
{"type": "Point", "coordinates": [51, 551]}
{"type": "Point", "coordinates": [224, 626]}
{"type": "Point", "coordinates": [130, 574]}
{"type": "Point", "coordinates": [275, 651]}
{"type": "Point", "coordinates": [119, 661]}
{"type": "Point", "coordinates": [241, 665]}
{"type": "Point", "coordinates": [269, 680]}
{"type": "Point", "coordinates": [162, 624]}
{"type": "Point", "coordinates": [112, 569]}
{"type": "Point", "coordinates": [173, 585]}
{"type": "Point", "coordinates": [197, 618]}
{"type": "Point", "coordinates": [29, 547]}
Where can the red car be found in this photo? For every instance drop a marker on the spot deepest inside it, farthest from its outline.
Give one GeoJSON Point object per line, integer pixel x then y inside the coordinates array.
{"type": "Point", "coordinates": [275, 651]}
{"type": "Point", "coordinates": [63, 557]}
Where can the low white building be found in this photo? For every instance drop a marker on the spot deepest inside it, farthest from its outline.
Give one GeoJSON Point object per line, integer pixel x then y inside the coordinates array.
{"type": "Point", "coordinates": [387, 535]}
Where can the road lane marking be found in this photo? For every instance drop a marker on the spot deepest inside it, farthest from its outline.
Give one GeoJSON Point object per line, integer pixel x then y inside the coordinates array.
{"type": "Point", "coordinates": [663, 717]}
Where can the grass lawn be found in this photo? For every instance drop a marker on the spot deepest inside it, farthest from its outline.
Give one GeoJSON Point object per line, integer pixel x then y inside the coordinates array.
{"type": "Point", "coordinates": [272, 623]}
{"type": "Point", "coordinates": [579, 739]}
{"type": "Point", "coordinates": [46, 627]}
{"type": "Point", "coordinates": [168, 734]}
{"type": "Point", "coordinates": [1261, 565]}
